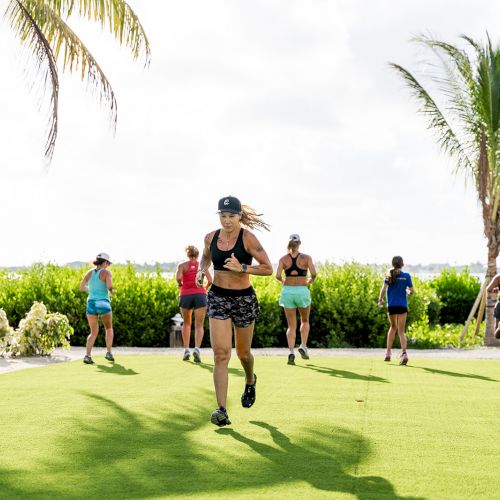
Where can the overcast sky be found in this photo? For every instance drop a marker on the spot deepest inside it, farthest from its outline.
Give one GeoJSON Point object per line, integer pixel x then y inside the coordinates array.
{"type": "Point", "coordinates": [289, 105]}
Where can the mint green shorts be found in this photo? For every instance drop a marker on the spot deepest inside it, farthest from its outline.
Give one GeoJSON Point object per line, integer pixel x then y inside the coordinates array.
{"type": "Point", "coordinates": [295, 296]}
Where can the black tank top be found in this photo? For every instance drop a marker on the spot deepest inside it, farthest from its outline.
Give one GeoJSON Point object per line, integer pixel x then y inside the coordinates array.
{"type": "Point", "coordinates": [219, 256]}
{"type": "Point", "coordinates": [294, 267]}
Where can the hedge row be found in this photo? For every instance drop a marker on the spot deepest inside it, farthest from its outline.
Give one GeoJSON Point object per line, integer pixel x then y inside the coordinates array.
{"type": "Point", "coordinates": [344, 311]}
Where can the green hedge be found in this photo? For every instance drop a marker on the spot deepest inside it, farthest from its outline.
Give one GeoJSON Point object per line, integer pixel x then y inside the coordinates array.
{"type": "Point", "coordinates": [344, 310]}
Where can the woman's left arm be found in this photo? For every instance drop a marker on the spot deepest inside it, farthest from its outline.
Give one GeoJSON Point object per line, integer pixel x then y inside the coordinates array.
{"type": "Point", "coordinates": [255, 249]}
{"type": "Point", "coordinates": [109, 282]}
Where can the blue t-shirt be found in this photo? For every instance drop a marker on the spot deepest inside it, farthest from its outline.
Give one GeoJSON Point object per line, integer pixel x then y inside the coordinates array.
{"type": "Point", "coordinates": [396, 294]}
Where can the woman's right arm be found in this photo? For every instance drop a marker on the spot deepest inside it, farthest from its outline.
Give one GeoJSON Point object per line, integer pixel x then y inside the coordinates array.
{"type": "Point", "coordinates": [206, 260]}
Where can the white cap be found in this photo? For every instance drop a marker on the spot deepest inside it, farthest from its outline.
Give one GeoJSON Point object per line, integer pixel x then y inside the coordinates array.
{"type": "Point", "coordinates": [103, 255]}
{"type": "Point", "coordinates": [294, 237]}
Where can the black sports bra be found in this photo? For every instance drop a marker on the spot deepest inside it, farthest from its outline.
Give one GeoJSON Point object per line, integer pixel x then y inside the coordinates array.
{"type": "Point", "coordinates": [294, 267]}
{"type": "Point", "coordinates": [219, 256]}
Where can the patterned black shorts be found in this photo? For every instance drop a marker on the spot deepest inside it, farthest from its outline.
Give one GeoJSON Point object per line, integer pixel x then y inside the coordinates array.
{"type": "Point", "coordinates": [241, 306]}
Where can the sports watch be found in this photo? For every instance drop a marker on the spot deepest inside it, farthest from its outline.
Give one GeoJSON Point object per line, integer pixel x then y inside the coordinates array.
{"type": "Point", "coordinates": [243, 268]}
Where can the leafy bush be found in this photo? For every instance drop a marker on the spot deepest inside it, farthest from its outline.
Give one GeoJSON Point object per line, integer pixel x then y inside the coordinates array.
{"type": "Point", "coordinates": [344, 308]}
{"type": "Point", "coordinates": [6, 333]}
{"type": "Point", "coordinates": [39, 333]}
{"type": "Point", "coordinates": [423, 336]}
{"type": "Point", "coordinates": [457, 293]}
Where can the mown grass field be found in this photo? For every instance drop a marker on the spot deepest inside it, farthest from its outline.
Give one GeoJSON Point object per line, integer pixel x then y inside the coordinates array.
{"type": "Point", "coordinates": [326, 428]}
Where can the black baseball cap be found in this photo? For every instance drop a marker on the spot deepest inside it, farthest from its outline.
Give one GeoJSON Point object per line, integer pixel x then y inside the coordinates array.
{"type": "Point", "coordinates": [230, 204]}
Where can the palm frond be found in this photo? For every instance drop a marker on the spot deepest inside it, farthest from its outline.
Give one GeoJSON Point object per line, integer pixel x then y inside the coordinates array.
{"type": "Point", "coordinates": [120, 19]}
{"type": "Point", "coordinates": [75, 56]}
{"type": "Point", "coordinates": [26, 27]}
{"type": "Point", "coordinates": [447, 139]}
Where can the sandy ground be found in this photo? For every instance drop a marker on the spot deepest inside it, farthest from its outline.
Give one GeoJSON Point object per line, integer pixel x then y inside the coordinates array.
{"type": "Point", "coordinates": [77, 353]}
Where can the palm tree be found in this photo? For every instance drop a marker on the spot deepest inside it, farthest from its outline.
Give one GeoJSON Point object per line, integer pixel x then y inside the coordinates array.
{"type": "Point", "coordinates": [41, 27]}
{"type": "Point", "coordinates": [467, 127]}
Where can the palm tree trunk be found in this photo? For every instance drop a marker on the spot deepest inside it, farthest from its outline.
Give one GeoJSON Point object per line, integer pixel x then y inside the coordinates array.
{"type": "Point", "coordinates": [489, 332]}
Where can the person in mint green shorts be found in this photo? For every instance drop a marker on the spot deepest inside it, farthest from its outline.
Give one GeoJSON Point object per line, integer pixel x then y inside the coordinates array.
{"type": "Point", "coordinates": [100, 287]}
{"type": "Point", "coordinates": [295, 295]}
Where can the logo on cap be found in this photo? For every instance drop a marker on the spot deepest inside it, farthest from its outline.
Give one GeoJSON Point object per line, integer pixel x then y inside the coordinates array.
{"type": "Point", "coordinates": [226, 202]}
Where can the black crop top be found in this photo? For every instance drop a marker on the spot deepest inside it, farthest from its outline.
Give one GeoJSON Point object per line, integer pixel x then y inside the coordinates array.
{"type": "Point", "coordinates": [294, 267]}
{"type": "Point", "coordinates": [219, 256]}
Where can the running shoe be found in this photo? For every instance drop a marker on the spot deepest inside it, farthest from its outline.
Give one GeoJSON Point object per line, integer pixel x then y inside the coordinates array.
{"type": "Point", "coordinates": [303, 352]}
{"type": "Point", "coordinates": [196, 356]}
{"type": "Point", "coordinates": [387, 356]}
{"type": "Point", "coordinates": [186, 355]}
{"type": "Point", "coordinates": [109, 356]}
{"type": "Point", "coordinates": [404, 358]}
{"type": "Point", "coordinates": [219, 417]}
{"type": "Point", "coordinates": [291, 359]}
{"type": "Point", "coordinates": [248, 396]}
{"type": "Point", "coordinates": [87, 360]}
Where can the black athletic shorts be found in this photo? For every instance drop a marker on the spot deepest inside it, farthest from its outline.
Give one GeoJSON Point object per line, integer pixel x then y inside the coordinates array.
{"type": "Point", "coordinates": [193, 301]}
{"type": "Point", "coordinates": [397, 310]}
{"type": "Point", "coordinates": [241, 306]}
{"type": "Point", "coordinates": [497, 310]}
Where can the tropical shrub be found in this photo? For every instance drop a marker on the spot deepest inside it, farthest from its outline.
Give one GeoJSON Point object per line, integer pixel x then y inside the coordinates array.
{"type": "Point", "coordinates": [456, 293]}
{"type": "Point", "coordinates": [421, 335]}
{"type": "Point", "coordinates": [39, 333]}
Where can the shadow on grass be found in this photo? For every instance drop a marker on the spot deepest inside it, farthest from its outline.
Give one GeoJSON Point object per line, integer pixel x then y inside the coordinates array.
{"type": "Point", "coordinates": [333, 372]}
{"type": "Point", "coordinates": [210, 368]}
{"type": "Point", "coordinates": [116, 369]}
{"type": "Point", "coordinates": [110, 451]}
{"type": "Point", "coordinates": [453, 374]}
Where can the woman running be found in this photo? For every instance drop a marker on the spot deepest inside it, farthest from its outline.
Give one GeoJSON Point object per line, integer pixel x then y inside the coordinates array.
{"type": "Point", "coordinates": [231, 299]}
{"type": "Point", "coordinates": [295, 294]}
{"type": "Point", "coordinates": [192, 297]}
{"type": "Point", "coordinates": [398, 285]}
{"type": "Point", "coordinates": [100, 287]}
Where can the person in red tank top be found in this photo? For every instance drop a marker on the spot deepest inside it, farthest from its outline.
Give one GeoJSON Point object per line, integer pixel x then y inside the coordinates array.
{"type": "Point", "coordinates": [192, 297]}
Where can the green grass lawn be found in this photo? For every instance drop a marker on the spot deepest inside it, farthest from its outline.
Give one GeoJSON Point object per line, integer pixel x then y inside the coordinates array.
{"type": "Point", "coordinates": [326, 428]}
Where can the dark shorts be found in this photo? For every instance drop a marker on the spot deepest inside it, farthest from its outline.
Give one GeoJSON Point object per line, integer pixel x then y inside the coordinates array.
{"type": "Point", "coordinates": [193, 301]}
{"type": "Point", "coordinates": [241, 306]}
{"type": "Point", "coordinates": [497, 310]}
{"type": "Point", "coordinates": [397, 310]}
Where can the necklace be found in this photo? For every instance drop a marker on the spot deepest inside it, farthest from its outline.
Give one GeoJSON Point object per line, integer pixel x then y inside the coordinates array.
{"type": "Point", "coordinates": [228, 240]}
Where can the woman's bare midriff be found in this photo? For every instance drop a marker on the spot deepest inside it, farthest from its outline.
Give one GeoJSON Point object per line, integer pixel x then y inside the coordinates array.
{"type": "Point", "coordinates": [295, 281]}
{"type": "Point", "coordinates": [231, 280]}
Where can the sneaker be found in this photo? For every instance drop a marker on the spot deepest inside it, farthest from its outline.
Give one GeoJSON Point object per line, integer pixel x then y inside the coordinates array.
{"type": "Point", "coordinates": [186, 355]}
{"type": "Point", "coordinates": [196, 356]}
{"type": "Point", "coordinates": [219, 417]}
{"type": "Point", "coordinates": [109, 356]}
{"type": "Point", "coordinates": [87, 360]}
{"type": "Point", "coordinates": [404, 359]}
{"type": "Point", "coordinates": [303, 352]}
{"type": "Point", "coordinates": [291, 359]}
{"type": "Point", "coordinates": [248, 396]}
{"type": "Point", "coordinates": [387, 356]}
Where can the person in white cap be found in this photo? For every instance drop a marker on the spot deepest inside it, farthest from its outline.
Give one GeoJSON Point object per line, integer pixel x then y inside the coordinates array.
{"type": "Point", "coordinates": [295, 294]}
{"type": "Point", "coordinates": [100, 287]}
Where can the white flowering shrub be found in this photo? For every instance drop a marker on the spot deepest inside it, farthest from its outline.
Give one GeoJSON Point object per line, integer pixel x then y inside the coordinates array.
{"type": "Point", "coordinates": [39, 333]}
{"type": "Point", "coordinates": [6, 333]}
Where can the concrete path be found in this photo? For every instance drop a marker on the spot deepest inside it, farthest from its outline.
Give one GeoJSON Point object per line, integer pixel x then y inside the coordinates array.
{"type": "Point", "coordinates": [77, 353]}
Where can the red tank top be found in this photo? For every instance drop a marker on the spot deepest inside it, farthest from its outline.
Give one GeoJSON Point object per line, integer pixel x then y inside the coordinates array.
{"type": "Point", "coordinates": [189, 280]}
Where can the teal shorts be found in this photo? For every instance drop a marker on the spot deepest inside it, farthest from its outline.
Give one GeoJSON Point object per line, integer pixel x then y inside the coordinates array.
{"type": "Point", "coordinates": [98, 307]}
{"type": "Point", "coordinates": [295, 296]}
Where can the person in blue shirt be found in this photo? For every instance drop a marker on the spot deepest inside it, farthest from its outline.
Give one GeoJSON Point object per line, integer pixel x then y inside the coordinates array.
{"type": "Point", "coordinates": [397, 285]}
{"type": "Point", "coordinates": [100, 287]}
